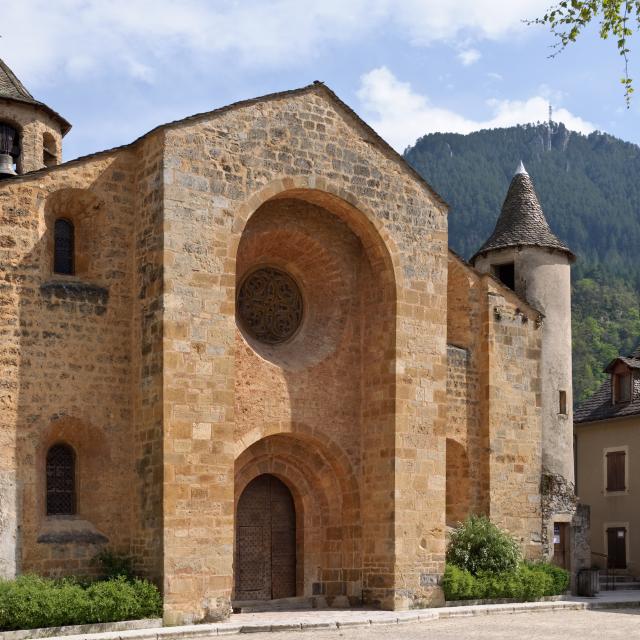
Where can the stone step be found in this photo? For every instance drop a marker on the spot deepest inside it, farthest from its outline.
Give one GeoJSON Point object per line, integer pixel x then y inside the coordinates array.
{"type": "Point", "coordinates": [281, 604]}
{"type": "Point", "coordinates": [619, 586]}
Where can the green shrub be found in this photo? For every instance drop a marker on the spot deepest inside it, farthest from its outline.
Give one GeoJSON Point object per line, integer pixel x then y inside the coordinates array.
{"type": "Point", "coordinates": [30, 602]}
{"type": "Point", "coordinates": [560, 577]}
{"type": "Point", "coordinates": [478, 545]}
{"type": "Point", "coordinates": [533, 582]}
{"type": "Point", "coordinates": [113, 565]}
{"type": "Point", "coordinates": [459, 584]}
{"type": "Point", "coordinates": [525, 582]}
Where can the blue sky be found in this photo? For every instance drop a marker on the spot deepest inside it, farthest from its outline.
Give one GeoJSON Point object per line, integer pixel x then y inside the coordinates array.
{"type": "Point", "coordinates": [117, 68]}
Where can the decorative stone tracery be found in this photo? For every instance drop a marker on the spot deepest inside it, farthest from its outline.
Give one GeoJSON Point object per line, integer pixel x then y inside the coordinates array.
{"type": "Point", "coordinates": [270, 305]}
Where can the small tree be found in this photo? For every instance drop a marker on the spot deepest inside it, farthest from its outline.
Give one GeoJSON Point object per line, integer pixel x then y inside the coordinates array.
{"type": "Point", "coordinates": [478, 545]}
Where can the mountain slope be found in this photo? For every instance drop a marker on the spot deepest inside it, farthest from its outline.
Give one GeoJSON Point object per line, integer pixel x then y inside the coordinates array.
{"type": "Point", "coordinates": [589, 188]}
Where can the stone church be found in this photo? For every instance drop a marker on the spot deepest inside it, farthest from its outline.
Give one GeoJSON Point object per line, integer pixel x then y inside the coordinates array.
{"type": "Point", "coordinates": [239, 350]}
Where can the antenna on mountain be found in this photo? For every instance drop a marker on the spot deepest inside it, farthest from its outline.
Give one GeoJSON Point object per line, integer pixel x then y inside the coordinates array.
{"type": "Point", "coordinates": [550, 115]}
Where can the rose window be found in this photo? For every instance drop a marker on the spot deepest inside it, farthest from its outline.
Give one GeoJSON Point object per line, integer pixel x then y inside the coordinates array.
{"type": "Point", "coordinates": [269, 305]}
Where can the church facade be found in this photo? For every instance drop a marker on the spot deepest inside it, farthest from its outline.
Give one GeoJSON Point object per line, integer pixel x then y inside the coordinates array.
{"type": "Point", "coordinates": [239, 350]}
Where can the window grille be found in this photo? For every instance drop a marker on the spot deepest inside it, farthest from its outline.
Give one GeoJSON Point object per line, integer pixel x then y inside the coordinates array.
{"type": "Point", "coordinates": [61, 481]}
{"type": "Point", "coordinates": [63, 260]}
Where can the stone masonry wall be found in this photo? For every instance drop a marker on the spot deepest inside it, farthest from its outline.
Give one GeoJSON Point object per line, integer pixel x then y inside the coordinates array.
{"type": "Point", "coordinates": [218, 171]}
{"type": "Point", "coordinates": [467, 435]}
{"type": "Point", "coordinates": [66, 361]}
{"type": "Point", "coordinates": [499, 427]}
{"type": "Point", "coordinates": [460, 411]}
{"type": "Point", "coordinates": [147, 360]}
{"type": "Point", "coordinates": [511, 379]}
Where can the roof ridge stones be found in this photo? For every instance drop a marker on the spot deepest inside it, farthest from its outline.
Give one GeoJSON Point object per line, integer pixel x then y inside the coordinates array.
{"type": "Point", "coordinates": [522, 221]}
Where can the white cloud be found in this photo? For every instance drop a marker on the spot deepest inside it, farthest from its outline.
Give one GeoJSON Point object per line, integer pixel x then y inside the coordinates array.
{"type": "Point", "coordinates": [140, 37]}
{"type": "Point", "coordinates": [401, 116]}
{"type": "Point", "coordinates": [469, 56]}
{"type": "Point", "coordinates": [434, 20]}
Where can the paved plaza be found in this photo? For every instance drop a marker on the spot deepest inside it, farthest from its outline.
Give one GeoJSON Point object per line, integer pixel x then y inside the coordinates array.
{"type": "Point", "coordinates": [550, 625]}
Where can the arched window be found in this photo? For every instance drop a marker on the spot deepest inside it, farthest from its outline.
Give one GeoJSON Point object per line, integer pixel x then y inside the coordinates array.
{"type": "Point", "coordinates": [63, 261]}
{"type": "Point", "coordinates": [61, 480]}
{"type": "Point", "coordinates": [9, 147]}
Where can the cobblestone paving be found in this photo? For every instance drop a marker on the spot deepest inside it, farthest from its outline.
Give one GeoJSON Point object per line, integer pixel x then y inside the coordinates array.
{"type": "Point", "coordinates": [547, 625]}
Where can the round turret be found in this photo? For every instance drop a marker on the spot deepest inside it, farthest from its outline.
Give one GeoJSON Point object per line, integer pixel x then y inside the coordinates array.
{"type": "Point", "coordinates": [30, 132]}
{"type": "Point", "coordinates": [526, 256]}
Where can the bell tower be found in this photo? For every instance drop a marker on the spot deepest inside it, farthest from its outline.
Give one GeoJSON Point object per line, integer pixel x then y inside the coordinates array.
{"type": "Point", "coordinates": [30, 132]}
{"type": "Point", "coordinates": [527, 257]}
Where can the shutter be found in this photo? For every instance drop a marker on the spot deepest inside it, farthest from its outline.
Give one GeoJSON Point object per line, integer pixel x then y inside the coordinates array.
{"type": "Point", "coordinates": [615, 471]}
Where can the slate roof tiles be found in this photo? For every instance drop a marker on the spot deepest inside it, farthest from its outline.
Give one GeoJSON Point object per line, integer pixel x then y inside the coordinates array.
{"type": "Point", "coordinates": [522, 221]}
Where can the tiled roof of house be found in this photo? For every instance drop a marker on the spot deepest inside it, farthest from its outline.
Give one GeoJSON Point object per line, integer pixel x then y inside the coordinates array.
{"type": "Point", "coordinates": [632, 362]}
{"type": "Point", "coordinates": [12, 89]}
{"type": "Point", "coordinates": [600, 406]}
{"type": "Point", "coordinates": [522, 221]}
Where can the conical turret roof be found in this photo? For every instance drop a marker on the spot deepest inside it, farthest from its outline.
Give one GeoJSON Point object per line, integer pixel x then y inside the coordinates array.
{"type": "Point", "coordinates": [522, 221]}
{"type": "Point", "coordinates": [12, 89]}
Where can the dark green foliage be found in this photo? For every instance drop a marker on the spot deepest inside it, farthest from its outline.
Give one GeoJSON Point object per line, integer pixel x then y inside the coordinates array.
{"type": "Point", "coordinates": [606, 322]}
{"type": "Point", "coordinates": [114, 565]}
{"type": "Point", "coordinates": [30, 602]}
{"type": "Point", "coordinates": [477, 545]}
{"type": "Point", "coordinates": [589, 189]}
{"type": "Point", "coordinates": [559, 576]}
{"type": "Point", "coordinates": [525, 582]}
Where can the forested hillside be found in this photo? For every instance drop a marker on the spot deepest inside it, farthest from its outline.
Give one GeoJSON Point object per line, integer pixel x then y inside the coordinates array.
{"type": "Point", "coordinates": [589, 188]}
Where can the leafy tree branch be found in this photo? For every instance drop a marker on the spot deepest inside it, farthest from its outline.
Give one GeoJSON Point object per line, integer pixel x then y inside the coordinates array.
{"type": "Point", "coordinates": [568, 18]}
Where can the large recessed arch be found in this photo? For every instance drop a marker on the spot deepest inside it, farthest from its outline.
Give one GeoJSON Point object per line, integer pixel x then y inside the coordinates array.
{"type": "Point", "coordinates": [326, 398]}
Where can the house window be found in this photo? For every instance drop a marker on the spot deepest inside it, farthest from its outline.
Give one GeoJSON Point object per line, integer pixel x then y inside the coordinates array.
{"type": "Point", "coordinates": [63, 259]}
{"type": "Point", "coordinates": [61, 480]}
{"type": "Point", "coordinates": [506, 273]}
{"type": "Point", "coordinates": [562, 403]}
{"type": "Point", "coordinates": [616, 470]}
{"type": "Point", "coordinates": [622, 387]}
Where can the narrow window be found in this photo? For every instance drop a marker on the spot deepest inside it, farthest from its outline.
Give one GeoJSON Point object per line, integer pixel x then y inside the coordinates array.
{"type": "Point", "coordinates": [622, 387]}
{"type": "Point", "coordinates": [506, 273]}
{"type": "Point", "coordinates": [616, 470]}
{"type": "Point", "coordinates": [562, 403]}
{"type": "Point", "coordinates": [61, 480]}
{"type": "Point", "coordinates": [63, 247]}
{"type": "Point", "coordinates": [49, 156]}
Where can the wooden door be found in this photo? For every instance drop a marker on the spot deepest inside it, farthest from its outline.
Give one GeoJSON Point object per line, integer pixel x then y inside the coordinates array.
{"type": "Point", "coordinates": [265, 541]}
{"type": "Point", "coordinates": [561, 544]}
{"type": "Point", "coordinates": [617, 547]}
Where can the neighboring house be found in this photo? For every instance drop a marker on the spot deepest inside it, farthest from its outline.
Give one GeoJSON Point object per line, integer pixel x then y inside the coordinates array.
{"type": "Point", "coordinates": [607, 445]}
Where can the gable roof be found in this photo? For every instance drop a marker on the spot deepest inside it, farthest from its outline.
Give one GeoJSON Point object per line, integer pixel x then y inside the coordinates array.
{"type": "Point", "coordinates": [631, 362]}
{"type": "Point", "coordinates": [600, 406]}
{"type": "Point", "coordinates": [12, 89]}
{"type": "Point", "coordinates": [522, 221]}
{"type": "Point", "coordinates": [315, 87]}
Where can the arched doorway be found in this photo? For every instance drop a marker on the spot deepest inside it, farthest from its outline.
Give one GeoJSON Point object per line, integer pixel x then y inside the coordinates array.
{"type": "Point", "coordinates": [265, 541]}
